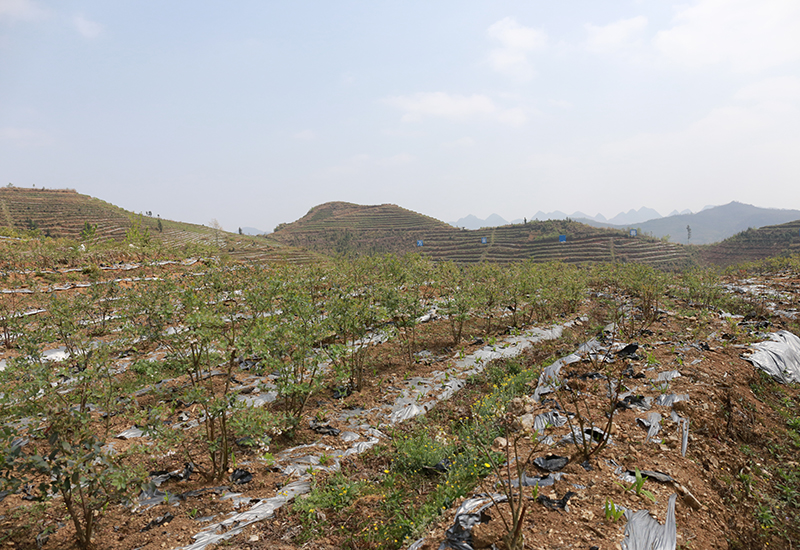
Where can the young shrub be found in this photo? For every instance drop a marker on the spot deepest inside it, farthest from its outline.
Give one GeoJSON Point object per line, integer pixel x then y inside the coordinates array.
{"type": "Point", "coordinates": [54, 404]}
{"type": "Point", "coordinates": [405, 296]}
{"type": "Point", "coordinates": [352, 311]}
{"type": "Point", "coordinates": [456, 294]}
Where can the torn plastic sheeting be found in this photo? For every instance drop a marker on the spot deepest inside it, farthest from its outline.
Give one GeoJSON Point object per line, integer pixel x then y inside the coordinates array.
{"type": "Point", "coordinates": [409, 411]}
{"type": "Point", "coordinates": [238, 500]}
{"type": "Point", "coordinates": [348, 436]}
{"type": "Point", "coordinates": [235, 524]}
{"type": "Point", "coordinates": [155, 497]}
{"type": "Point", "coordinates": [178, 475]}
{"type": "Point", "coordinates": [550, 375]}
{"type": "Point", "coordinates": [432, 315]}
{"type": "Point", "coordinates": [652, 424]}
{"type": "Point", "coordinates": [450, 388]}
{"type": "Point", "coordinates": [536, 481]}
{"type": "Point", "coordinates": [557, 504]}
{"type": "Point", "coordinates": [645, 533]}
{"type": "Point", "coordinates": [241, 476]}
{"type": "Point", "coordinates": [57, 354]}
{"type": "Point", "coordinates": [594, 433]}
{"type": "Point", "coordinates": [684, 436]}
{"type": "Point", "coordinates": [326, 429]}
{"type": "Point", "coordinates": [258, 399]}
{"type": "Point", "coordinates": [551, 463]}
{"type": "Point", "coordinates": [404, 407]}
{"type": "Point", "coordinates": [629, 351]}
{"type": "Point", "coordinates": [158, 522]}
{"type": "Point", "coordinates": [302, 465]}
{"type": "Point", "coordinates": [667, 376]}
{"type": "Point", "coordinates": [667, 400]}
{"type": "Point", "coordinates": [459, 535]}
{"type": "Point", "coordinates": [131, 433]}
{"type": "Point", "coordinates": [639, 402]}
{"type": "Point", "coordinates": [552, 419]}
{"type": "Point", "coordinates": [361, 447]}
{"type": "Point", "coordinates": [779, 356]}
{"type": "Point", "coordinates": [629, 476]}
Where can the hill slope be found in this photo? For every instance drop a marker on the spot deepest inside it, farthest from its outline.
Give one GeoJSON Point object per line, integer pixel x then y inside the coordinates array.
{"type": "Point", "coordinates": [342, 227]}
{"type": "Point", "coordinates": [755, 244]}
{"type": "Point", "coordinates": [349, 228]}
{"type": "Point", "coordinates": [64, 213]}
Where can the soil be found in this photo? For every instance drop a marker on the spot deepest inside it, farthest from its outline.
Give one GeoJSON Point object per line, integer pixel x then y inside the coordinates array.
{"type": "Point", "coordinates": [735, 427]}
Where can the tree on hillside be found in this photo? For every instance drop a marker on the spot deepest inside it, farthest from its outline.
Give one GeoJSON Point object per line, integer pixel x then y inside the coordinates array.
{"type": "Point", "coordinates": [217, 227]}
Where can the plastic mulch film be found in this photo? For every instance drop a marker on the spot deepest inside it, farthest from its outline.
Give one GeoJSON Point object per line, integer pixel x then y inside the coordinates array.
{"type": "Point", "coordinates": [779, 356]}
{"type": "Point", "coordinates": [459, 535]}
{"type": "Point", "coordinates": [645, 533]}
{"type": "Point", "coordinates": [652, 424]}
{"type": "Point", "coordinates": [235, 524]}
{"type": "Point", "coordinates": [684, 436]}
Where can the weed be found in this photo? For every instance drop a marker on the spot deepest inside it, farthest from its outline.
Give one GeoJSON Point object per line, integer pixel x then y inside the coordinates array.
{"type": "Point", "coordinates": [612, 511]}
{"type": "Point", "coordinates": [638, 486]}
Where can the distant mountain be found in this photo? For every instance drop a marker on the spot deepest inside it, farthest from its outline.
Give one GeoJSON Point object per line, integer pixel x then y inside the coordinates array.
{"type": "Point", "coordinates": [494, 221]}
{"type": "Point", "coordinates": [634, 216]}
{"type": "Point", "coordinates": [554, 215]}
{"type": "Point", "coordinates": [474, 222]}
{"type": "Point", "coordinates": [676, 213]}
{"type": "Point", "coordinates": [623, 218]}
{"type": "Point", "coordinates": [716, 223]}
{"type": "Point", "coordinates": [253, 231]}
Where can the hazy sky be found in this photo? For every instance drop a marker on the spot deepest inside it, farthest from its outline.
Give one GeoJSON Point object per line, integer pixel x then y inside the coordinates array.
{"type": "Point", "coordinates": [252, 112]}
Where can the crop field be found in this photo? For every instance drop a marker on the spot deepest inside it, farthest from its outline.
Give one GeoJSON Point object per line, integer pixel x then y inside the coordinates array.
{"type": "Point", "coordinates": [156, 397]}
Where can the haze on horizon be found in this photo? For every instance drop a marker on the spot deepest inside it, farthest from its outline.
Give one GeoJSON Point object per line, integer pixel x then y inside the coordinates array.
{"type": "Point", "coordinates": [252, 113]}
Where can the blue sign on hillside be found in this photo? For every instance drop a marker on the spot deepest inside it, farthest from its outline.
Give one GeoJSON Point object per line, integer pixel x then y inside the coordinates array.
{"type": "Point", "coordinates": [419, 243]}
{"type": "Point", "coordinates": [483, 240]}
{"type": "Point", "coordinates": [633, 232]}
{"type": "Point", "coordinates": [562, 238]}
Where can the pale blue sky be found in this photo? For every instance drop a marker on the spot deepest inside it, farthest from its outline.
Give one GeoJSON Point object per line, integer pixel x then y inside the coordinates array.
{"type": "Point", "coordinates": [252, 112]}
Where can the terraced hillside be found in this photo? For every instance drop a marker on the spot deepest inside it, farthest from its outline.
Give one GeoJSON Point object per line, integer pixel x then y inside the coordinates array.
{"type": "Point", "coordinates": [64, 212]}
{"type": "Point", "coordinates": [540, 241]}
{"type": "Point", "coordinates": [61, 213]}
{"type": "Point", "coordinates": [754, 244]}
{"type": "Point", "coordinates": [344, 227]}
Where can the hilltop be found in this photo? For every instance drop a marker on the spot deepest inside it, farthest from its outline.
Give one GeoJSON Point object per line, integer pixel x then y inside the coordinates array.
{"type": "Point", "coordinates": [343, 227]}
{"type": "Point", "coordinates": [65, 213]}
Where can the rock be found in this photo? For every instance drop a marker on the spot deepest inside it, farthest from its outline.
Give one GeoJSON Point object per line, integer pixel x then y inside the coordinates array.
{"type": "Point", "coordinates": [521, 405]}
{"type": "Point", "coordinates": [524, 423]}
{"type": "Point", "coordinates": [499, 444]}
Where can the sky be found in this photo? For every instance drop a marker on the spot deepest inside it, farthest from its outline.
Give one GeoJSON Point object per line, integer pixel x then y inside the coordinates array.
{"type": "Point", "coordinates": [251, 112]}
